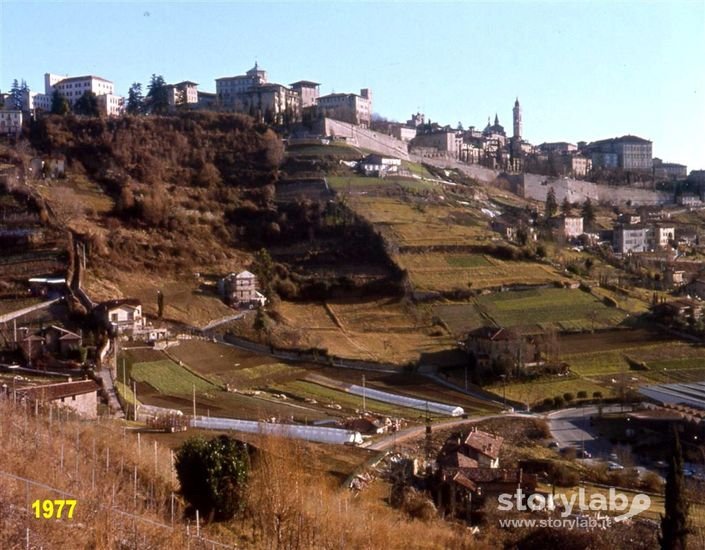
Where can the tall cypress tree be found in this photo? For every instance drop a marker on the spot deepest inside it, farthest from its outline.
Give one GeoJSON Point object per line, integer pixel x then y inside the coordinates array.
{"type": "Point", "coordinates": [551, 203]}
{"type": "Point", "coordinates": [674, 522]}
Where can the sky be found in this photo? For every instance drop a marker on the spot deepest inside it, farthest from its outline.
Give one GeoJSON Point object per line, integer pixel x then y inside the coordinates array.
{"type": "Point", "coordinates": [582, 70]}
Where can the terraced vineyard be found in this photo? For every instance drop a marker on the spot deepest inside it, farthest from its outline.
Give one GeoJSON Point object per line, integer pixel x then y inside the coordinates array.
{"type": "Point", "coordinates": [447, 272]}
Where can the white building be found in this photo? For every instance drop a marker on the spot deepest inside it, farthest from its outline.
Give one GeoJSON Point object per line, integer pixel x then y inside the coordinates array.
{"type": "Point", "coordinates": [660, 236]}
{"type": "Point", "coordinates": [123, 315]}
{"type": "Point", "coordinates": [72, 88]}
{"type": "Point", "coordinates": [569, 226]}
{"type": "Point", "coordinates": [10, 122]}
{"type": "Point", "coordinates": [377, 165]}
{"type": "Point", "coordinates": [252, 94]}
{"type": "Point", "coordinates": [241, 290]}
{"type": "Point", "coordinates": [182, 93]}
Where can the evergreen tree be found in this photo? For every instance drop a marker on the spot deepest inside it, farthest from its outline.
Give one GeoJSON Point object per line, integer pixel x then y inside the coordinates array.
{"type": "Point", "coordinates": [135, 99]}
{"type": "Point", "coordinates": [87, 104]}
{"type": "Point", "coordinates": [59, 104]}
{"type": "Point", "coordinates": [566, 207]}
{"type": "Point", "coordinates": [213, 475]}
{"type": "Point", "coordinates": [16, 93]}
{"type": "Point", "coordinates": [588, 212]}
{"type": "Point", "coordinates": [160, 304]}
{"type": "Point", "coordinates": [674, 522]}
{"type": "Point", "coordinates": [263, 268]}
{"type": "Point", "coordinates": [157, 96]}
{"type": "Point", "coordinates": [551, 203]}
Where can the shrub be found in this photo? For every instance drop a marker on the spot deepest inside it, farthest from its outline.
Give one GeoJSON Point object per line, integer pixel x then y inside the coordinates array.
{"type": "Point", "coordinates": [597, 395]}
{"type": "Point", "coordinates": [582, 394]}
{"type": "Point", "coordinates": [568, 397]}
{"type": "Point", "coordinates": [558, 401]}
{"type": "Point", "coordinates": [563, 475]}
{"type": "Point", "coordinates": [213, 475]}
{"type": "Point", "coordinates": [548, 402]}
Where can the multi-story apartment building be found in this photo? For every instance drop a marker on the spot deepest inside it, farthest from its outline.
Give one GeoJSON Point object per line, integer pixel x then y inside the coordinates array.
{"type": "Point", "coordinates": [631, 153]}
{"type": "Point", "coordinates": [10, 122]}
{"type": "Point", "coordinates": [252, 94]}
{"type": "Point", "coordinates": [629, 238]}
{"type": "Point", "coordinates": [353, 108]}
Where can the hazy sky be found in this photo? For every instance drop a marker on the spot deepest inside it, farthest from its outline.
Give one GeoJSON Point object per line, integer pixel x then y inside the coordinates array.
{"type": "Point", "coordinates": [582, 70]}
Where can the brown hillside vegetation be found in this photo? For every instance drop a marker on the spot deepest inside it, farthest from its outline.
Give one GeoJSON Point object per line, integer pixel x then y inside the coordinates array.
{"type": "Point", "coordinates": [123, 492]}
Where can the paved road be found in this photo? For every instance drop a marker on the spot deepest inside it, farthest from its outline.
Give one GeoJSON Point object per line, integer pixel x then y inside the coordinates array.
{"type": "Point", "coordinates": [571, 428]}
{"type": "Point", "coordinates": [418, 431]}
{"type": "Point", "coordinates": [113, 402]}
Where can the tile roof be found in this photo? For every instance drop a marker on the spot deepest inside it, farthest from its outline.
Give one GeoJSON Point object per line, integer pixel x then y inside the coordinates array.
{"type": "Point", "coordinates": [484, 443]}
{"type": "Point", "coordinates": [50, 392]}
{"type": "Point", "coordinates": [458, 460]}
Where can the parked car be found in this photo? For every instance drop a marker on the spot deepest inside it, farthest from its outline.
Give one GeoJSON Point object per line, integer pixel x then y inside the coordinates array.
{"type": "Point", "coordinates": [614, 466]}
{"type": "Point", "coordinates": [553, 445]}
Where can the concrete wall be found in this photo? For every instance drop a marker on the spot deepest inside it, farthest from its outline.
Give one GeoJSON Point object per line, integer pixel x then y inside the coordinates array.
{"type": "Point", "coordinates": [85, 404]}
{"type": "Point", "coordinates": [536, 187]}
{"type": "Point", "coordinates": [362, 137]}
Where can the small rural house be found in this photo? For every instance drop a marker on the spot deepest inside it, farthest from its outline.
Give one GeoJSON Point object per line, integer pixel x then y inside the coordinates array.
{"type": "Point", "coordinates": [240, 290]}
{"type": "Point", "coordinates": [468, 473]}
{"type": "Point", "coordinates": [123, 316]}
{"type": "Point", "coordinates": [377, 165]}
{"type": "Point", "coordinates": [79, 396]}
{"type": "Point", "coordinates": [53, 341]}
{"type": "Point", "coordinates": [490, 344]}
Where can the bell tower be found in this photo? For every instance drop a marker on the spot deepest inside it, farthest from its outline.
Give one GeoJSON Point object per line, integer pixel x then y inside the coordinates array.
{"type": "Point", "coordinates": [517, 119]}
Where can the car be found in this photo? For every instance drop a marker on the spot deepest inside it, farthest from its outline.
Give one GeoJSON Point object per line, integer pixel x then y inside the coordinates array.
{"type": "Point", "coordinates": [687, 472]}
{"type": "Point", "coordinates": [553, 445]}
{"type": "Point", "coordinates": [661, 464]}
{"type": "Point", "coordinates": [613, 457]}
{"type": "Point", "coordinates": [614, 466]}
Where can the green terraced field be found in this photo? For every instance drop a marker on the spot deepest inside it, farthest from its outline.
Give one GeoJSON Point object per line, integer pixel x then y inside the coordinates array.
{"type": "Point", "coordinates": [551, 307]}
{"type": "Point", "coordinates": [169, 378]}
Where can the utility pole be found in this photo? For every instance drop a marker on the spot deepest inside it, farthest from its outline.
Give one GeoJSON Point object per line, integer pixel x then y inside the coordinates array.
{"type": "Point", "coordinates": [134, 394]}
{"type": "Point", "coordinates": [364, 408]}
{"type": "Point", "coordinates": [194, 400]}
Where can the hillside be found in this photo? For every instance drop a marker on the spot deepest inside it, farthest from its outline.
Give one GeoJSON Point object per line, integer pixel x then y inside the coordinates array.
{"type": "Point", "coordinates": [124, 488]}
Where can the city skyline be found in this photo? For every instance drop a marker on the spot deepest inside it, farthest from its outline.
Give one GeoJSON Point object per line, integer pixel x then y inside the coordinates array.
{"type": "Point", "coordinates": [584, 71]}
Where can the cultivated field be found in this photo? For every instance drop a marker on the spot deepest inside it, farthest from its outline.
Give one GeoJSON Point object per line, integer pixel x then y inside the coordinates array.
{"type": "Point", "coordinates": [546, 308]}
{"type": "Point", "coordinates": [447, 272]}
{"type": "Point", "coordinates": [356, 184]}
{"type": "Point", "coordinates": [532, 393]}
{"type": "Point", "coordinates": [381, 330]}
{"type": "Point", "coordinates": [424, 224]}
{"type": "Point", "coordinates": [163, 383]}
{"type": "Point", "coordinates": [559, 308]}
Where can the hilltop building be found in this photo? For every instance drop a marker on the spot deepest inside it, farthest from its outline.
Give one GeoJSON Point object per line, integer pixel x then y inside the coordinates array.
{"type": "Point", "coordinates": [72, 88]}
{"type": "Point", "coordinates": [253, 94]}
{"type": "Point", "coordinates": [630, 153]}
{"type": "Point", "coordinates": [353, 108]}
{"type": "Point", "coordinates": [182, 93]}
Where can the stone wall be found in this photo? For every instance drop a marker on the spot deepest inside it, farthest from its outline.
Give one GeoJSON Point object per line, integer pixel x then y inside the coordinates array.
{"type": "Point", "coordinates": [533, 186]}
{"type": "Point", "coordinates": [364, 138]}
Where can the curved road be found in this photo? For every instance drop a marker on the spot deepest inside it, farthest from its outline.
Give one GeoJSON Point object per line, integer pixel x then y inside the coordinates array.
{"type": "Point", "coordinates": [418, 431]}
